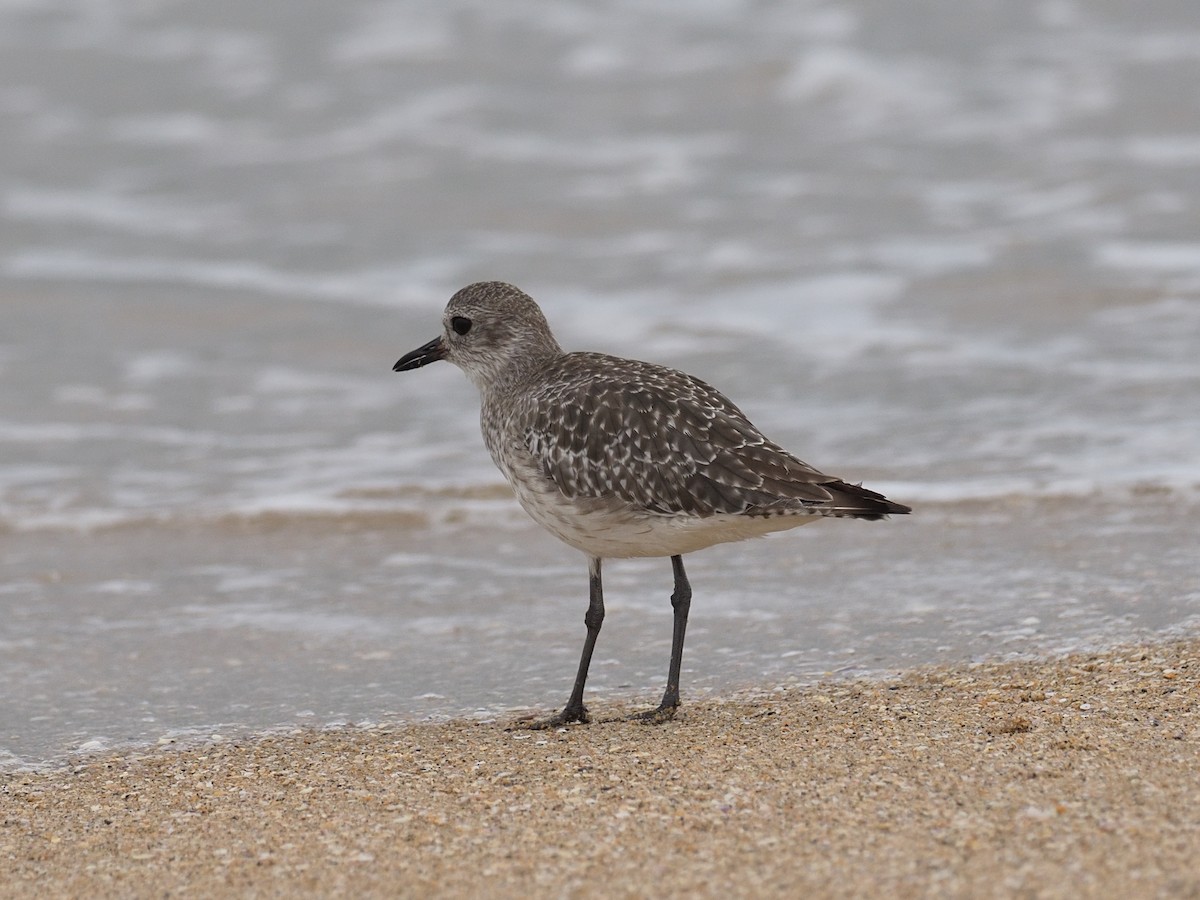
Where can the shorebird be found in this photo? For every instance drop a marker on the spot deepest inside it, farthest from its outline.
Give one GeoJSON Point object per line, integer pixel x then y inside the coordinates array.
{"type": "Point", "coordinates": [620, 458]}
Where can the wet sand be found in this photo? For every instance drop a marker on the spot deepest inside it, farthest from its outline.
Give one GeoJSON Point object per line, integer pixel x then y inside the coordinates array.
{"type": "Point", "coordinates": [1073, 777]}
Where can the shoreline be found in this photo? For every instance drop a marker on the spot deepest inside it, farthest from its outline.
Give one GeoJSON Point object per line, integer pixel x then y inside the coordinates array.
{"type": "Point", "coordinates": [1072, 776]}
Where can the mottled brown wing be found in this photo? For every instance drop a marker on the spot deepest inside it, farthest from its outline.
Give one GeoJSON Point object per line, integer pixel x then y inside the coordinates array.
{"type": "Point", "coordinates": [660, 440]}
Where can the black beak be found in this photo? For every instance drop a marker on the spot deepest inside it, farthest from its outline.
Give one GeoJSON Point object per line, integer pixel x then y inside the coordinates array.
{"type": "Point", "coordinates": [422, 356]}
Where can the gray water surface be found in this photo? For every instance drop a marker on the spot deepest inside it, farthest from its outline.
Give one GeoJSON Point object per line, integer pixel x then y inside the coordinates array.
{"type": "Point", "coordinates": [949, 252]}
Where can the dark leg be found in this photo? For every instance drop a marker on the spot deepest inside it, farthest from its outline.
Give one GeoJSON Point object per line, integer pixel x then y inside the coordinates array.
{"type": "Point", "coordinates": [681, 602]}
{"type": "Point", "coordinates": [575, 711]}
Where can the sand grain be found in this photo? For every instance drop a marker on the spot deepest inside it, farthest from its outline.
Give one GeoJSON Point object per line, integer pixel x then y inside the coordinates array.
{"type": "Point", "coordinates": [1069, 778]}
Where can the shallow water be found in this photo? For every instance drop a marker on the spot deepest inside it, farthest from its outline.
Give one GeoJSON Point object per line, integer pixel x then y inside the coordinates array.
{"type": "Point", "coordinates": [951, 255]}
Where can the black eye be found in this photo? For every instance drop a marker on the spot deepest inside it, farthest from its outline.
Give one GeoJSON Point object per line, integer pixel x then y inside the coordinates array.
{"type": "Point", "coordinates": [460, 324]}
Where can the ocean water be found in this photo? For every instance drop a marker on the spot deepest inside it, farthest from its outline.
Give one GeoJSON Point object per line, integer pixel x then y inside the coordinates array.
{"type": "Point", "coordinates": [950, 252]}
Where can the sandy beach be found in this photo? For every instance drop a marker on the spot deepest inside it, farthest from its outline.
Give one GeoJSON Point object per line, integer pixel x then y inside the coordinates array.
{"type": "Point", "coordinates": [1073, 777]}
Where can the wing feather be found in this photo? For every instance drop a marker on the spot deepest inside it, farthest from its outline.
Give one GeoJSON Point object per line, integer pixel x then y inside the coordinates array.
{"type": "Point", "coordinates": [660, 440]}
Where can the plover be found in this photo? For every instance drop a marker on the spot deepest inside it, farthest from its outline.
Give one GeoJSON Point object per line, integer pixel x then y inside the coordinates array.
{"type": "Point", "coordinates": [620, 458]}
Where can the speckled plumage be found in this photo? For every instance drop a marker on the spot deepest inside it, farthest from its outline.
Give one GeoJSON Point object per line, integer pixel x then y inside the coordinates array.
{"type": "Point", "coordinates": [621, 458]}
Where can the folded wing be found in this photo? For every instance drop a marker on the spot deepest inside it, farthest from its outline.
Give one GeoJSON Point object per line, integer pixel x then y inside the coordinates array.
{"type": "Point", "coordinates": [668, 443]}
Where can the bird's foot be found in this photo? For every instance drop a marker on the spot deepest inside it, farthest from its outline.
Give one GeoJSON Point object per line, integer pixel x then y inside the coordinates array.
{"type": "Point", "coordinates": [566, 717]}
{"type": "Point", "coordinates": [659, 716]}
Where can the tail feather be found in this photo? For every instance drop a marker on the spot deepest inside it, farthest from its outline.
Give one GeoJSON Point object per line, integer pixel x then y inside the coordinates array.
{"type": "Point", "coordinates": [856, 501]}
